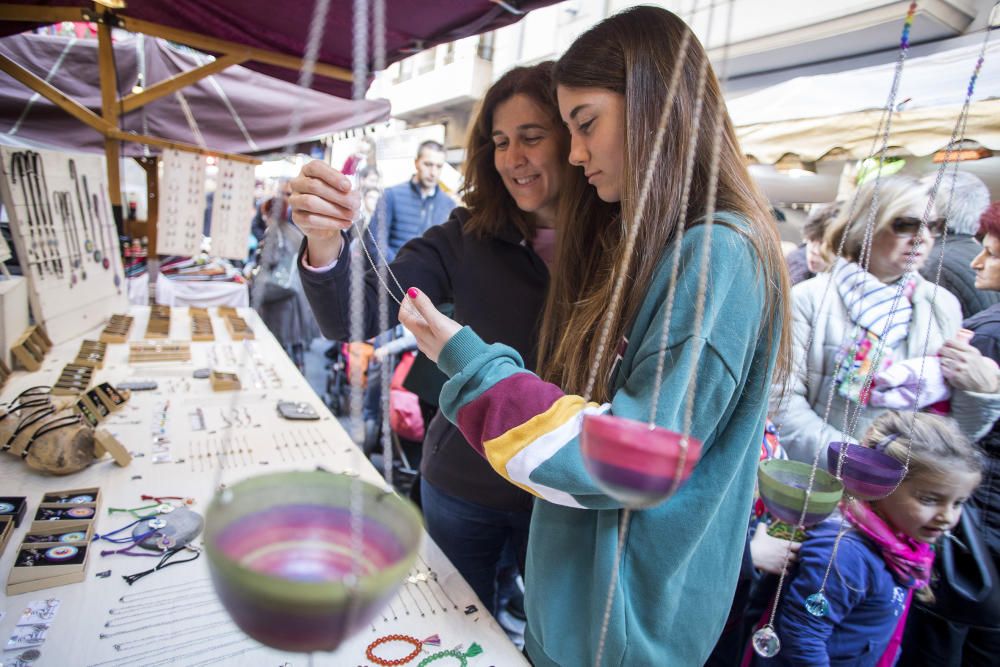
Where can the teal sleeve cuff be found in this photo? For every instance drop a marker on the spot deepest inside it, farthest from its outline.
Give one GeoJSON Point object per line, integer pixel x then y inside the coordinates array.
{"type": "Point", "coordinates": [456, 354]}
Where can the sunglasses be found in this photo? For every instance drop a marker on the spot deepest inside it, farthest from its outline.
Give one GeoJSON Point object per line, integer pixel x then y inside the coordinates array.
{"type": "Point", "coordinates": [909, 227]}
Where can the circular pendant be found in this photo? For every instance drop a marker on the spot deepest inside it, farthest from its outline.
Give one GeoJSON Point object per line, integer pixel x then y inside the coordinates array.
{"type": "Point", "coordinates": [73, 537]}
{"type": "Point", "coordinates": [97, 255]}
{"type": "Point", "coordinates": [156, 524]}
{"type": "Point", "coordinates": [30, 655]}
{"type": "Point", "coordinates": [118, 280]}
{"type": "Point", "coordinates": [61, 552]}
{"type": "Point", "coordinates": [105, 263]}
{"type": "Point", "coordinates": [817, 605]}
{"type": "Point", "coordinates": [766, 643]}
{"type": "Point", "coordinates": [80, 512]}
{"type": "Point", "coordinates": [6, 508]}
{"type": "Point", "coordinates": [88, 245]}
{"type": "Point", "coordinates": [81, 499]}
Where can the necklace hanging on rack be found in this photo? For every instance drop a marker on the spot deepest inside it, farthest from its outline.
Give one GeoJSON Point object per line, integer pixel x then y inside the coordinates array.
{"type": "Point", "coordinates": [45, 205]}
{"type": "Point", "coordinates": [88, 243]}
{"type": "Point", "coordinates": [64, 205]}
{"type": "Point", "coordinates": [112, 231]}
{"type": "Point", "coordinates": [19, 170]}
{"type": "Point", "coordinates": [94, 231]}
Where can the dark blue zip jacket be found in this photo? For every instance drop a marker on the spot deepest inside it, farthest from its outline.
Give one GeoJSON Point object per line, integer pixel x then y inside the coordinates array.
{"type": "Point", "coordinates": [408, 214]}
{"type": "Point", "coordinates": [865, 604]}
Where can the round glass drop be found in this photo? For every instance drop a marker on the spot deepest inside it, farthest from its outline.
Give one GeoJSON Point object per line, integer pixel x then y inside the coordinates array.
{"type": "Point", "coordinates": [817, 605]}
{"type": "Point", "coordinates": [766, 643]}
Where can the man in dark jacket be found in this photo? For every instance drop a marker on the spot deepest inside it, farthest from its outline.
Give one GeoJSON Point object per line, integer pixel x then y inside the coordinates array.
{"type": "Point", "coordinates": [409, 208]}
{"type": "Point", "coordinates": [961, 202]}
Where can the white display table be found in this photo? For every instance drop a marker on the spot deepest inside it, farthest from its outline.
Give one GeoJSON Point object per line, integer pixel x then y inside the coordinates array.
{"type": "Point", "coordinates": [201, 293]}
{"type": "Point", "coordinates": [187, 625]}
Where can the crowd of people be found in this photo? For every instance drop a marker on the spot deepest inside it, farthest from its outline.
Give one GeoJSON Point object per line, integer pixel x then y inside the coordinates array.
{"type": "Point", "coordinates": [890, 338]}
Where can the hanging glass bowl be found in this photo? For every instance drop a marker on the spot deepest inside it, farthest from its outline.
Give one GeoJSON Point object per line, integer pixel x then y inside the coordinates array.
{"type": "Point", "coordinates": [634, 464]}
{"type": "Point", "coordinates": [783, 486]}
{"type": "Point", "coordinates": [282, 558]}
{"type": "Point", "coordinates": [867, 474]}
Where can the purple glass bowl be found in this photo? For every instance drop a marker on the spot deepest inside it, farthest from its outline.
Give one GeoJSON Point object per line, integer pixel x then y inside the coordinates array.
{"type": "Point", "coordinates": [867, 474]}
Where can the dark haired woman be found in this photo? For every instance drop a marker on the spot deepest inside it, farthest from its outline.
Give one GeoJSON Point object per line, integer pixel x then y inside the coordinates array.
{"type": "Point", "coordinates": [680, 559]}
{"type": "Point", "coordinates": [489, 260]}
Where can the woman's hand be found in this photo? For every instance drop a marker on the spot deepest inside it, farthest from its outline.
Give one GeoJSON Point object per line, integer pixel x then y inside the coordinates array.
{"type": "Point", "coordinates": [965, 367]}
{"type": "Point", "coordinates": [323, 204]}
{"type": "Point", "coordinates": [431, 329]}
{"type": "Point", "coordinates": [768, 553]}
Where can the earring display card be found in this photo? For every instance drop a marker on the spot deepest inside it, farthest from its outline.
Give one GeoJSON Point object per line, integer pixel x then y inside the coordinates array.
{"type": "Point", "coordinates": [64, 232]}
{"type": "Point", "coordinates": [182, 203]}
{"type": "Point", "coordinates": [232, 209]}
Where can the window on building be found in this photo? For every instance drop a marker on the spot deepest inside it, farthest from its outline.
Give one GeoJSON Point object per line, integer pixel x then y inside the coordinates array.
{"type": "Point", "coordinates": [485, 47]}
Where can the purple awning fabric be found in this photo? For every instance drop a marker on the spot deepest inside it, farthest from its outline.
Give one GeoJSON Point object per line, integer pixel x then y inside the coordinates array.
{"type": "Point", "coordinates": [235, 111]}
{"type": "Point", "coordinates": [283, 27]}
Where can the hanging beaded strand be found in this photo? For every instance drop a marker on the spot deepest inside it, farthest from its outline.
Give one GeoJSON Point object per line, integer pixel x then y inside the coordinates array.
{"type": "Point", "coordinates": [817, 603]}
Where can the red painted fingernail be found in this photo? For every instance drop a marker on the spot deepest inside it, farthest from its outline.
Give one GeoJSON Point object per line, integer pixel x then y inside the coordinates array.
{"type": "Point", "coordinates": [412, 293]}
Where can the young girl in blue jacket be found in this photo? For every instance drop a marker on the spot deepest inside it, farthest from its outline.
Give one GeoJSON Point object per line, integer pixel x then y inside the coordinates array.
{"type": "Point", "coordinates": [680, 560]}
{"type": "Point", "coordinates": [885, 555]}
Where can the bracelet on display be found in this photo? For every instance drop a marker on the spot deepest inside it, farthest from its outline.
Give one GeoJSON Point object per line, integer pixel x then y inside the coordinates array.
{"type": "Point", "coordinates": [456, 653]}
{"type": "Point", "coordinates": [418, 646]}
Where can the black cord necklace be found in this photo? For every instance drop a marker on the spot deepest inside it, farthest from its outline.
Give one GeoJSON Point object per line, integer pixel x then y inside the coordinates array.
{"type": "Point", "coordinates": [88, 243]}
{"type": "Point", "coordinates": [53, 425]}
{"type": "Point", "coordinates": [19, 169]}
{"type": "Point", "coordinates": [26, 421]}
{"type": "Point", "coordinates": [64, 206]}
{"type": "Point", "coordinates": [45, 207]}
{"type": "Point", "coordinates": [94, 231]}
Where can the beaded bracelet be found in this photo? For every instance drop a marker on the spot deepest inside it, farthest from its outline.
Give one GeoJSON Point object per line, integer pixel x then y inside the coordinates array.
{"type": "Point", "coordinates": [456, 653]}
{"type": "Point", "coordinates": [418, 646]}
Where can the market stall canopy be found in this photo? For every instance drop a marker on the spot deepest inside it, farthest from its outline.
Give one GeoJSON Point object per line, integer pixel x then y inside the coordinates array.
{"type": "Point", "coordinates": [236, 110]}
{"type": "Point", "coordinates": [810, 116]}
{"type": "Point", "coordinates": [283, 28]}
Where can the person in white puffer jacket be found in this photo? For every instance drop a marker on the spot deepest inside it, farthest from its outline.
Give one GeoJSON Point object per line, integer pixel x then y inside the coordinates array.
{"type": "Point", "coordinates": [881, 316]}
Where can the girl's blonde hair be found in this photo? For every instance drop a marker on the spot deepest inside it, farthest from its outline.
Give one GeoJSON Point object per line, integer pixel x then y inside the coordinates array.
{"type": "Point", "coordinates": [895, 194]}
{"type": "Point", "coordinates": [936, 445]}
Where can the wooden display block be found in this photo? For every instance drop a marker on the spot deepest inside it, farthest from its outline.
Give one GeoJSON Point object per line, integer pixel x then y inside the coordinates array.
{"type": "Point", "coordinates": [91, 353]}
{"type": "Point", "coordinates": [117, 329]}
{"type": "Point", "coordinates": [159, 322]}
{"type": "Point", "coordinates": [60, 532]}
{"type": "Point", "coordinates": [225, 381]}
{"type": "Point", "coordinates": [104, 443]}
{"type": "Point", "coordinates": [6, 530]}
{"type": "Point", "coordinates": [73, 497]}
{"type": "Point", "coordinates": [201, 325]}
{"type": "Point", "coordinates": [45, 566]}
{"type": "Point", "coordinates": [74, 380]}
{"type": "Point", "coordinates": [165, 351]}
{"type": "Point", "coordinates": [14, 508]}
{"type": "Point", "coordinates": [5, 373]}
{"type": "Point", "coordinates": [112, 398]}
{"type": "Point", "coordinates": [29, 350]}
{"type": "Point", "coordinates": [238, 328]}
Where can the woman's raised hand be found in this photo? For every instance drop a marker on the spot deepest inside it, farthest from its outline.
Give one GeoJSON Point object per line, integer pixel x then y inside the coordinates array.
{"type": "Point", "coordinates": [965, 367]}
{"type": "Point", "coordinates": [431, 329]}
{"type": "Point", "coordinates": [323, 204]}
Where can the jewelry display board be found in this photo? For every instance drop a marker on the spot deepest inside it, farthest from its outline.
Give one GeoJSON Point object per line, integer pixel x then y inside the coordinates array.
{"type": "Point", "coordinates": [186, 440]}
{"type": "Point", "coordinates": [230, 209]}
{"type": "Point", "coordinates": [182, 203]}
{"type": "Point", "coordinates": [64, 233]}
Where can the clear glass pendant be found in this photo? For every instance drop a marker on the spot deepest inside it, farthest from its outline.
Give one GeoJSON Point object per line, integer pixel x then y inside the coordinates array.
{"type": "Point", "coordinates": [766, 643]}
{"type": "Point", "coordinates": [817, 605]}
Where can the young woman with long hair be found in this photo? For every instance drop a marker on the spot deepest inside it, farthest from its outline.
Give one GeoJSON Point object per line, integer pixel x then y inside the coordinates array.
{"type": "Point", "coordinates": [681, 559]}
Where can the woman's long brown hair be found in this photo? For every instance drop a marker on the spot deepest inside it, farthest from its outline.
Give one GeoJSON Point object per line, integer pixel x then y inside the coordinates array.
{"type": "Point", "coordinates": [484, 193]}
{"type": "Point", "coordinates": [633, 53]}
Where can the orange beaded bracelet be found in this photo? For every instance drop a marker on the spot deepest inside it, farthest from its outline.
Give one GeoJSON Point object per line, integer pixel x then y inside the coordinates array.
{"type": "Point", "coordinates": [418, 645]}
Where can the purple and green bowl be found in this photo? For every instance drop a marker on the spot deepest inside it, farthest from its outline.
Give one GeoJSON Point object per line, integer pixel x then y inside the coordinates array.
{"type": "Point", "coordinates": [867, 474]}
{"type": "Point", "coordinates": [782, 485]}
{"type": "Point", "coordinates": [281, 555]}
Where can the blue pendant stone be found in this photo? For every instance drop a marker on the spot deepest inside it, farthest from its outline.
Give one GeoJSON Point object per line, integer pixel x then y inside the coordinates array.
{"type": "Point", "coordinates": [817, 605]}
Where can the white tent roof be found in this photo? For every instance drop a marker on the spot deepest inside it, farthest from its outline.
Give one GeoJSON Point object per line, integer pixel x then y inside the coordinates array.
{"type": "Point", "coordinates": [811, 115]}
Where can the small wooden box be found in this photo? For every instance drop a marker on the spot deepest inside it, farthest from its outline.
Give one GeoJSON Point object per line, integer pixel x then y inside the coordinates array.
{"type": "Point", "coordinates": [117, 329]}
